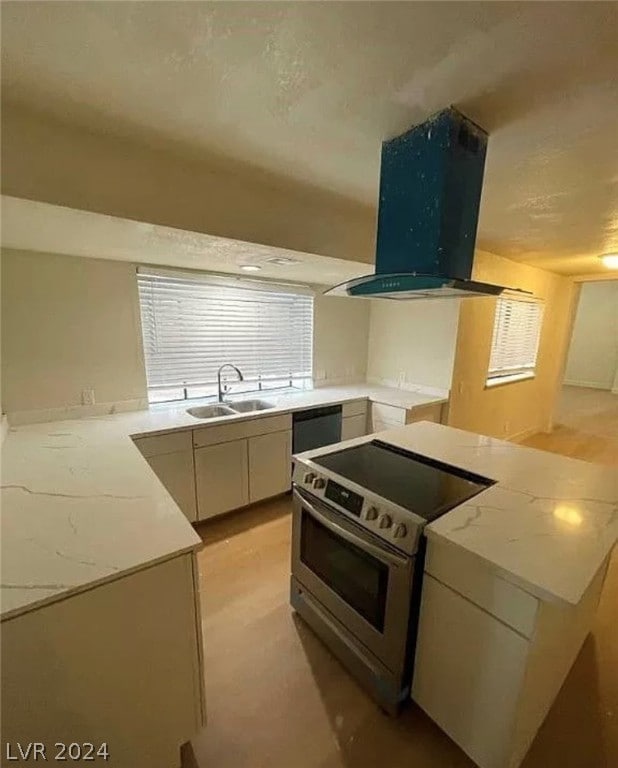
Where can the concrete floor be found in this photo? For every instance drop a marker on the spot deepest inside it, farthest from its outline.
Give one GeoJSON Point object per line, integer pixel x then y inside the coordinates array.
{"type": "Point", "coordinates": [276, 697]}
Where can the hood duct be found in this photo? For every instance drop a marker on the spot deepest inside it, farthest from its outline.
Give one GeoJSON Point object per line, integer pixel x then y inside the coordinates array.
{"type": "Point", "coordinates": [430, 191]}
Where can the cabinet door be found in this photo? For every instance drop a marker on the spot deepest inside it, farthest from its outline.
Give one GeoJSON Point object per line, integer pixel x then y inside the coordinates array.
{"type": "Point", "coordinates": [175, 471]}
{"type": "Point", "coordinates": [222, 478]}
{"type": "Point", "coordinates": [353, 426]}
{"type": "Point", "coordinates": [468, 673]}
{"type": "Point", "coordinates": [382, 426]}
{"type": "Point", "coordinates": [270, 465]}
{"type": "Point", "coordinates": [432, 412]}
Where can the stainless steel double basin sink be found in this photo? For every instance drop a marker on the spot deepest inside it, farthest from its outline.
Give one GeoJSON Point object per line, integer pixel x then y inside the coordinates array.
{"type": "Point", "coordinates": [228, 409]}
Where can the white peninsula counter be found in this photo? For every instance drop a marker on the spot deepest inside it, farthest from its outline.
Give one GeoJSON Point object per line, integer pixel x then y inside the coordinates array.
{"type": "Point", "coordinates": [101, 627]}
{"type": "Point", "coordinates": [512, 581]}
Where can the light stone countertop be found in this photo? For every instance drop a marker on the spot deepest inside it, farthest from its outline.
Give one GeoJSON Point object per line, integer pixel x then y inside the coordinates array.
{"type": "Point", "coordinates": [548, 523]}
{"type": "Point", "coordinates": [80, 506]}
{"type": "Point", "coordinates": [168, 416]}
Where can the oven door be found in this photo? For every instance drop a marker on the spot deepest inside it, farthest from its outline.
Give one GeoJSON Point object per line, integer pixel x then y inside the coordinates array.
{"type": "Point", "coordinates": [364, 584]}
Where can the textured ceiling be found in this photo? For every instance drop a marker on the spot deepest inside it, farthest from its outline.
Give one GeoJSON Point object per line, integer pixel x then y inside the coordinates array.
{"type": "Point", "coordinates": [309, 90]}
{"type": "Point", "coordinates": [28, 225]}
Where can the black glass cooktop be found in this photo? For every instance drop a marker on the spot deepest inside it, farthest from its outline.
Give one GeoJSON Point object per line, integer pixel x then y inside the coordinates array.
{"type": "Point", "coordinates": [424, 486]}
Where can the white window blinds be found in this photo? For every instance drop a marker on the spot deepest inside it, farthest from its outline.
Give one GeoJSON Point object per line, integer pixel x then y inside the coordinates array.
{"type": "Point", "coordinates": [192, 325]}
{"type": "Point", "coordinates": [515, 341]}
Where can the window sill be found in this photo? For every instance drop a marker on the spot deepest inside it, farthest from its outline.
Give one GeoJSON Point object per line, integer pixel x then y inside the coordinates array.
{"type": "Point", "coordinates": [501, 380]}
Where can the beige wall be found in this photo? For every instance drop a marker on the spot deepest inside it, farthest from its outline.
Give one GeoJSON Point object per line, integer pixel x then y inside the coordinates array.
{"type": "Point", "coordinates": [593, 353]}
{"type": "Point", "coordinates": [520, 408]}
{"type": "Point", "coordinates": [68, 324]}
{"type": "Point", "coordinates": [71, 323]}
{"type": "Point", "coordinates": [340, 335]}
{"type": "Point", "coordinates": [412, 342]}
{"type": "Point", "coordinates": [153, 181]}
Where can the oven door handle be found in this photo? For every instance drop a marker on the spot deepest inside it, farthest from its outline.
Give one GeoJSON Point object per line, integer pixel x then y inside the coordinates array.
{"type": "Point", "coordinates": [388, 558]}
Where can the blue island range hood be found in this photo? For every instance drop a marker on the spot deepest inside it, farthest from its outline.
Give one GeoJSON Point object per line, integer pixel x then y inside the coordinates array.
{"type": "Point", "coordinates": [430, 191]}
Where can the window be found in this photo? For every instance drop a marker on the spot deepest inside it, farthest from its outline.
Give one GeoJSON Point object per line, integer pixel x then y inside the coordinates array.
{"type": "Point", "coordinates": [193, 324]}
{"type": "Point", "coordinates": [515, 341]}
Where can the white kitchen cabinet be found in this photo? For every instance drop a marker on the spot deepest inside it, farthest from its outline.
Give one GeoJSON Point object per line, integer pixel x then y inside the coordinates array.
{"type": "Point", "coordinates": [222, 478]}
{"type": "Point", "coordinates": [171, 458]}
{"type": "Point", "coordinates": [468, 671]}
{"type": "Point", "coordinates": [431, 412]}
{"type": "Point", "coordinates": [225, 433]}
{"type": "Point", "coordinates": [353, 426]}
{"type": "Point", "coordinates": [270, 459]}
{"type": "Point", "coordinates": [354, 408]}
{"type": "Point", "coordinates": [385, 417]}
{"type": "Point", "coordinates": [175, 471]}
{"type": "Point", "coordinates": [491, 658]}
{"type": "Point", "coordinates": [120, 664]}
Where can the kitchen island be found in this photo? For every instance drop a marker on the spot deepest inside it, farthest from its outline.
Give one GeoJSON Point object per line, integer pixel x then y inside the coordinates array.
{"type": "Point", "coordinates": [511, 585]}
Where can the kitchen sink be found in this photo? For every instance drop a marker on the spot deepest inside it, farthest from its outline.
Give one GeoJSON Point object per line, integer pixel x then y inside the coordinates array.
{"type": "Point", "coordinates": [246, 406]}
{"type": "Point", "coordinates": [210, 411]}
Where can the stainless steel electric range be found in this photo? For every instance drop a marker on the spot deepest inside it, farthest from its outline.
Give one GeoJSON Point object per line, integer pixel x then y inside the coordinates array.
{"type": "Point", "coordinates": [358, 553]}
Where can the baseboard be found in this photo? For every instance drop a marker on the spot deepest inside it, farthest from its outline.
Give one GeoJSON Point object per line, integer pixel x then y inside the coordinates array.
{"type": "Point", "coordinates": [587, 385]}
{"type": "Point", "coordinates": [63, 413]}
{"type": "Point", "coordinates": [520, 436]}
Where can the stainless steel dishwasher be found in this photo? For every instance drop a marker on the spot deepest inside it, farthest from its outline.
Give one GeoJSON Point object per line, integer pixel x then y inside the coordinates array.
{"type": "Point", "coordinates": [316, 427]}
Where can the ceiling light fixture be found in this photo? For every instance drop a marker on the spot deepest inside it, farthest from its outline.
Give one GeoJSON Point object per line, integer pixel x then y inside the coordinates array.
{"type": "Point", "coordinates": [250, 267]}
{"type": "Point", "coordinates": [610, 260]}
{"type": "Point", "coordinates": [282, 261]}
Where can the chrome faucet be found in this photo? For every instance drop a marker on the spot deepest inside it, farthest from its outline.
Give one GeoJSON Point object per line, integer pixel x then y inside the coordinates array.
{"type": "Point", "coordinates": [224, 390]}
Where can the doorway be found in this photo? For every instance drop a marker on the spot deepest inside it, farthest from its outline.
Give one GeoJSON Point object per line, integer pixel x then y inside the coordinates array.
{"type": "Point", "coordinates": [586, 415]}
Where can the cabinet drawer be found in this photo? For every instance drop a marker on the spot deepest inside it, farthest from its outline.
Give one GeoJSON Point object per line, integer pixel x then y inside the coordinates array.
{"type": "Point", "coordinates": [388, 413]}
{"type": "Point", "coordinates": [353, 426]}
{"type": "Point", "coordinates": [355, 408]}
{"type": "Point", "coordinates": [157, 445]}
{"type": "Point", "coordinates": [431, 412]}
{"type": "Point", "coordinates": [224, 433]}
{"type": "Point", "coordinates": [470, 578]}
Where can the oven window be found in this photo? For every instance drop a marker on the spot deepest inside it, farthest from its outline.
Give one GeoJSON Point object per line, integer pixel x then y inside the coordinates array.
{"type": "Point", "coordinates": [357, 577]}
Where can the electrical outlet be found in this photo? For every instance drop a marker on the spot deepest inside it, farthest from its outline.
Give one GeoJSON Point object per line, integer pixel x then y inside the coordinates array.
{"type": "Point", "coordinates": [320, 375]}
{"type": "Point", "coordinates": [507, 427]}
{"type": "Point", "coordinates": [88, 397]}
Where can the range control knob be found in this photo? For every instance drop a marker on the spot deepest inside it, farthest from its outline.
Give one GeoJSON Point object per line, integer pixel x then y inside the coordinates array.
{"type": "Point", "coordinates": [308, 478]}
{"type": "Point", "coordinates": [385, 521]}
{"type": "Point", "coordinates": [372, 513]}
{"type": "Point", "coordinates": [319, 482]}
{"type": "Point", "coordinates": [400, 531]}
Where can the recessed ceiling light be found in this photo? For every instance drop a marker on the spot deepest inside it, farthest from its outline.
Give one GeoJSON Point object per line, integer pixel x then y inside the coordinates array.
{"type": "Point", "coordinates": [250, 267]}
{"type": "Point", "coordinates": [610, 260]}
{"type": "Point", "coordinates": [282, 261]}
